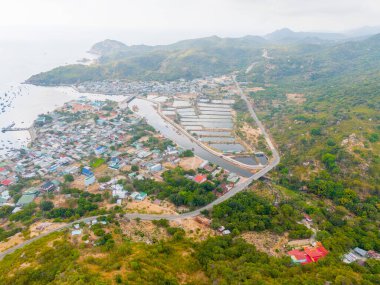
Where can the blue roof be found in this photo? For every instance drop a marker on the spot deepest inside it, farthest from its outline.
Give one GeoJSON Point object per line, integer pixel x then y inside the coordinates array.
{"type": "Point", "coordinates": [360, 251]}
{"type": "Point", "coordinates": [87, 172]}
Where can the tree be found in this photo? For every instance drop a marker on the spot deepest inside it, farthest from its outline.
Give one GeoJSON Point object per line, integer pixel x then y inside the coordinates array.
{"type": "Point", "coordinates": [46, 206]}
{"type": "Point", "coordinates": [187, 153]}
{"type": "Point", "coordinates": [329, 160]}
{"type": "Point", "coordinates": [68, 178]}
{"type": "Point", "coordinates": [135, 168]}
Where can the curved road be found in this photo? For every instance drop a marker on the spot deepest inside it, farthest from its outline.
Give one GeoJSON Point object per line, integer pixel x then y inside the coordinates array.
{"type": "Point", "coordinates": [238, 188]}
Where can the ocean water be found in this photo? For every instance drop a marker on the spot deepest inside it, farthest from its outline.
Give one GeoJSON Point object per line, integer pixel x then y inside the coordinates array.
{"type": "Point", "coordinates": [22, 103]}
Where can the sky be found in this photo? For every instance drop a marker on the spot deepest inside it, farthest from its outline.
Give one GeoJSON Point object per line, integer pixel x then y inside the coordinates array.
{"type": "Point", "coordinates": [164, 21]}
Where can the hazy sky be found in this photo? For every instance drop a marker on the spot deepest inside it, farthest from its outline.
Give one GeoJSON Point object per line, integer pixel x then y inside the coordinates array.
{"type": "Point", "coordinates": [160, 21]}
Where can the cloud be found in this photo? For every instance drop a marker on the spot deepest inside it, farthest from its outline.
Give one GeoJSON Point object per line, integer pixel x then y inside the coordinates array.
{"type": "Point", "coordinates": [191, 17]}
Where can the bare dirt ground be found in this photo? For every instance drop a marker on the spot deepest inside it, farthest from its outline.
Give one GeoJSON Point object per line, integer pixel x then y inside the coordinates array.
{"type": "Point", "coordinates": [186, 96]}
{"type": "Point", "coordinates": [188, 163]}
{"type": "Point", "coordinates": [252, 134]}
{"type": "Point", "coordinates": [254, 89]}
{"type": "Point", "coordinates": [12, 241]}
{"type": "Point", "coordinates": [143, 231]}
{"type": "Point", "coordinates": [352, 141]}
{"type": "Point", "coordinates": [149, 207]}
{"type": "Point", "coordinates": [297, 98]}
{"type": "Point", "coordinates": [267, 242]}
{"type": "Point", "coordinates": [299, 243]}
{"type": "Point", "coordinates": [194, 228]}
{"type": "Point", "coordinates": [35, 230]}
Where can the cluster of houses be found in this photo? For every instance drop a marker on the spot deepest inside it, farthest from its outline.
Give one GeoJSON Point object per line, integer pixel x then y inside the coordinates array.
{"type": "Point", "coordinates": [120, 194]}
{"type": "Point", "coordinates": [360, 255]}
{"type": "Point", "coordinates": [78, 228]}
{"type": "Point", "coordinates": [140, 87]}
{"type": "Point", "coordinates": [67, 142]}
{"type": "Point", "coordinates": [28, 195]}
{"type": "Point", "coordinates": [308, 254]}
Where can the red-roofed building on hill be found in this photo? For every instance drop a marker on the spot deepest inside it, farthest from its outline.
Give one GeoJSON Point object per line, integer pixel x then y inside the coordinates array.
{"type": "Point", "coordinates": [200, 178]}
{"type": "Point", "coordinates": [6, 182]}
{"type": "Point", "coordinates": [308, 254]}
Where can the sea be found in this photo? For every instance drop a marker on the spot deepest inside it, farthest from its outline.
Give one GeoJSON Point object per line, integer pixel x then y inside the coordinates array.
{"type": "Point", "coordinates": [20, 104]}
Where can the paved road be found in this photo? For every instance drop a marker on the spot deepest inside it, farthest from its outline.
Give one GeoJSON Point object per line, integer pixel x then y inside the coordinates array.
{"type": "Point", "coordinates": [238, 188]}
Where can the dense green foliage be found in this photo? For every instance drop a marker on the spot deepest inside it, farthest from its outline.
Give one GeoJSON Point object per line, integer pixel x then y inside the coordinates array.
{"type": "Point", "coordinates": [186, 59]}
{"type": "Point", "coordinates": [178, 189]}
{"type": "Point", "coordinates": [249, 212]}
{"type": "Point", "coordinates": [229, 261]}
{"type": "Point", "coordinates": [218, 260]}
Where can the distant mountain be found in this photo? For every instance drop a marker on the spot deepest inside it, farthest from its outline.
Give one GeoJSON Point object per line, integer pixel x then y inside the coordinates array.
{"type": "Point", "coordinates": [289, 35]}
{"type": "Point", "coordinates": [305, 56]}
{"type": "Point", "coordinates": [185, 59]}
{"type": "Point", "coordinates": [107, 47]}
{"type": "Point", "coordinates": [363, 32]}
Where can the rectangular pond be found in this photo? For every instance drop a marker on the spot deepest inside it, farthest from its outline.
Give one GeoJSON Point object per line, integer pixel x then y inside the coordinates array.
{"type": "Point", "coordinates": [228, 148]}
{"type": "Point", "coordinates": [215, 134]}
{"type": "Point", "coordinates": [217, 139]}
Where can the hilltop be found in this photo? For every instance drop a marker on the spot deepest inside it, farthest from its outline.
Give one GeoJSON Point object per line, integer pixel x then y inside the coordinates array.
{"type": "Point", "coordinates": [312, 54]}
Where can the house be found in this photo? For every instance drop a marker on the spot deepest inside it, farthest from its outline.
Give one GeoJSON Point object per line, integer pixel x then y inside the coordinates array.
{"type": "Point", "coordinates": [118, 191]}
{"type": "Point", "coordinates": [143, 154]}
{"type": "Point", "coordinates": [5, 195]}
{"type": "Point", "coordinates": [309, 254]}
{"type": "Point", "coordinates": [373, 254]}
{"type": "Point", "coordinates": [87, 172]}
{"type": "Point", "coordinates": [155, 168]}
{"type": "Point", "coordinates": [216, 171]}
{"type": "Point", "coordinates": [349, 257]}
{"type": "Point", "coordinates": [3, 171]}
{"type": "Point", "coordinates": [32, 191]}
{"type": "Point", "coordinates": [76, 232]}
{"type": "Point", "coordinates": [307, 218]}
{"type": "Point", "coordinates": [140, 177]}
{"type": "Point", "coordinates": [221, 229]}
{"type": "Point", "coordinates": [16, 209]}
{"type": "Point", "coordinates": [141, 196]}
{"type": "Point", "coordinates": [171, 150]}
{"type": "Point", "coordinates": [6, 182]}
{"type": "Point", "coordinates": [71, 170]}
{"type": "Point", "coordinates": [360, 252]}
{"type": "Point", "coordinates": [48, 186]}
{"type": "Point", "coordinates": [114, 163]}
{"type": "Point", "coordinates": [299, 257]}
{"type": "Point", "coordinates": [233, 178]}
{"type": "Point", "coordinates": [3, 201]}
{"type": "Point", "coordinates": [134, 195]}
{"type": "Point", "coordinates": [88, 180]}
{"type": "Point", "coordinates": [200, 178]}
{"type": "Point", "coordinates": [100, 150]}
{"type": "Point", "coordinates": [25, 199]}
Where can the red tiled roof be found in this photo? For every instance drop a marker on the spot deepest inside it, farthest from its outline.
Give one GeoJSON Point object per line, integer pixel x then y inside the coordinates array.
{"type": "Point", "coordinates": [200, 178]}
{"type": "Point", "coordinates": [309, 254]}
{"type": "Point", "coordinates": [300, 256]}
{"type": "Point", "coordinates": [6, 182]}
{"type": "Point", "coordinates": [307, 216]}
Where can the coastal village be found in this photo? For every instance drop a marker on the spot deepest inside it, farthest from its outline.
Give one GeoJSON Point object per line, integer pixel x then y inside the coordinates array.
{"type": "Point", "coordinates": [105, 152]}
{"type": "Point", "coordinates": [104, 149]}
{"type": "Point", "coordinates": [93, 141]}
